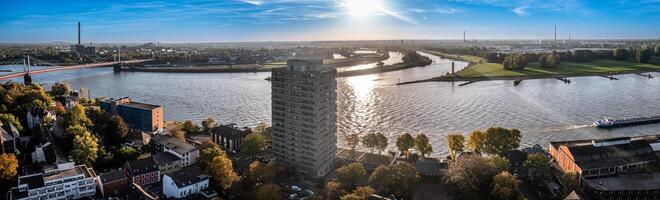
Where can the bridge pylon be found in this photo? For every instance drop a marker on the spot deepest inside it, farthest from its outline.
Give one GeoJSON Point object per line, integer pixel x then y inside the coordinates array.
{"type": "Point", "coordinates": [27, 78]}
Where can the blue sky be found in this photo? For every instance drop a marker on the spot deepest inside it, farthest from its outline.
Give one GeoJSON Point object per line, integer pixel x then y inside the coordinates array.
{"type": "Point", "coordinates": [296, 20]}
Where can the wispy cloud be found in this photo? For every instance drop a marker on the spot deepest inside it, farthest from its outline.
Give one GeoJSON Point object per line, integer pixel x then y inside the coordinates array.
{"type": "Point", "coordinates": [253, 2]}
{"type": "Point", "coordinates": [520, 11]}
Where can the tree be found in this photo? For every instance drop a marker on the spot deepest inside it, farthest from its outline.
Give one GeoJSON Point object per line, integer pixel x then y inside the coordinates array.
{"type": "Point", "coordinates": [499, 139]}
{"type": "Point", "coordinates": [178, 133]}
{"type": "Point", "coordinates": [349, 175]}
{"type": "Point", "coordinates": [621, 54]}
{"type": "Point", "coordinates": [208, 124]}
{"type": "Point", "coordinates": [59, 109]}
{"type": "Point", "coordinates": [190, 128]}
{"type": "Point", "coordinates": [469, 178]}
{"type": "Point", "coordinates": [570, 181]}
{"type": "Point", "coordinates": [422, 145]}
{"type": "Point", "coordinates": [455, 144]}
{"type": "Point", "coordinates": [222, 170]}
{"type": "Point", "coordinates": [8, 166]}
{"type": "Point", "coordinates": [253, 144]}
{"type": "Point", "coordinates": [657, 50]}
{"type": "Point", "coordinates": [259, 172]}
{"type": "Point", "coordinates": [505, 186]}
{"type": "Point", "coordinates": [76, 116]}
{"type": "Point", "coordinates": [360, 193]}
{"type": "Point", "coordinates": [538, 166]}
{"type": "Point", "coordinates": [398, 179]}
{"type": "Point", "coordinates": [128, 153]}
{"type": "Point", "coordinates": [116, 129]}
{"type": "Point", "coordinates": [7, 118]}
{"type": "Point", "coordinates": [333, 190]}
{"type": "Point", "coordinates": [370, 141]}
{"type": "Point", "coordinates": [499, 163]}
{"type": "Point", "coordinates": [643, 55]}
{"type": "Point", "coordinates": [404, 143]}
{"type": "Point", "coordinates": [85, 145]}
{"type": "Point", "coordinates": [514, 62]}
{"type": "Point", "coordinates": [381, 142]}
{"type": "Point", "coordinates": [59, 89]}
{"type": "Point", "coordinates": [543, 61]}
{"type": "Point", "coordinates": [208, 143]}
{"type": "Point", "coordinates": [476, 140]}
{"type": "Point", "coordinates": [582, 55]}
{"type": "Point", "coordinates": [261, 128]}
{"type": "Point", "coordinates": [207, 155]}
{"type": "Point", "coordinates": [269, 192]}
{"type": "Point", "coordinates": [352, 140]}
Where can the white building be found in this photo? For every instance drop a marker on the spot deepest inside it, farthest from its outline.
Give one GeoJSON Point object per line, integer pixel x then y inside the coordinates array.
{"type": "Point", "coordinates": [184, 151]}
{"type": "Point", "coordinates": [185, 182]}
{"type": "Point", "coordinates": [64, 182]}
{"type": "Point", "coordinates": [304, 116]}
{"type": "Point", "coordinates": [37, 116]}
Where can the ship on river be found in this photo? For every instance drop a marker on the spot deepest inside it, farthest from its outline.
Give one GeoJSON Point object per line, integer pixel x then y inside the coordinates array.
{"type": "Point", "coordinates": [609, 122]}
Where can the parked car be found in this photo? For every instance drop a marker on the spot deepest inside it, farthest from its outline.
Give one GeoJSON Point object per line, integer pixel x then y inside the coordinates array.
{"type": "Point", "coordinates": [296, 188]}
{"type": "Point", "coordinates": [293, 196]}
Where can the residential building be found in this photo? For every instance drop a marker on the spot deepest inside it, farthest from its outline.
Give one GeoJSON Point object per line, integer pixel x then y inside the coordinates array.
{"type": "Point", "coordinates": [167, 162]}
{"type": "Point", "coordinates": [184, 151]}
{"type": "Point", "coordinates": [143, 171]}
{"type": "Point", "coordinates": [516, 158]}
{"type": "Point", "coordinates": [229, 137]}
{"type": "Point", "coordinates": [9, 138]}
{"type": "Point", "coordinates": [44, 153]}
{"type": "Point", "coordinates": [64, 182]}
{"type": "Point", "coordinates": [304, 116]}
{"type": "Point", "coordinates": [185, 182]}
{"type": "Point", "coordinates": [614, 168]}
{"type": "Point", "coordinates": [141, 116]}
{"type": "Point", "coordinates": [112, 183]}
{"type": "Point", "coordinates": [38, 116]}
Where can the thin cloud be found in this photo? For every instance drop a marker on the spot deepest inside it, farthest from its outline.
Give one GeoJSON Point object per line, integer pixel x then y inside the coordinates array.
{"type": "Point", "coordinates": [520, 11]}
{"type": "Point", "coordinates": [253, 2]}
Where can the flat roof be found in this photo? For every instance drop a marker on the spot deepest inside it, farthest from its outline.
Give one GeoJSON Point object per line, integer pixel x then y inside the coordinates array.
{"type": "Point", "coordinates": [642, 181]}
{"type": "Point", "coordinates": [113, 175]}
{"type": "Point", "coordinates": [174, 144]}
{"type": "Point", "coordinates": [63, 174]}
{"type": "Point", "coordinates": [141, 105]}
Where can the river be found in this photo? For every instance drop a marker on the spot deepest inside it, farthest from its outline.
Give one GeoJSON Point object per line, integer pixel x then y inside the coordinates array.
{"type": "Point", "coordinates": [544, 109]}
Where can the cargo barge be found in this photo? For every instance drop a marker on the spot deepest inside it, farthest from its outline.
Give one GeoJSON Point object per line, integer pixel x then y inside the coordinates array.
{"type": "Point", "coordinates": [610, 123]}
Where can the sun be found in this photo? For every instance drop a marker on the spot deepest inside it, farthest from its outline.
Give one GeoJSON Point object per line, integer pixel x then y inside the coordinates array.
{"type": "Point", "coordinates": [363, 7]}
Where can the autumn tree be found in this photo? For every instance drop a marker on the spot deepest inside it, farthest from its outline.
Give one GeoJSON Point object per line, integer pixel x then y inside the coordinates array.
{"type": "Point", "coordinates": [259, 172]}
{"type": "Point", "coordinates": [469, 178]}
{"type": "Point", "coordinates": [381, 142]}
{"type": "Point", "coordinates": [369, 141]}
{"type": "Point", "coordinates": [208, 143]}
{"type": "Point", "coordinates": [499, 163]}
{"type": "Point", "coordinates": [455, 144]}
{"type": "Point", "coordinates": [476, 141]}
{"type": "Point", "coordinates": [499, 139]}
{"type": "Point", "coordinates": [207, 155]}
{"type": "Point", "coordinates": [269, 192]}
{"type": "Point", "coordinates": [189, 127]}
{"type": "Point", "coordinates": [538, 166]}
{"type": "Point", "coordinates": [261, 128]}
{"type": "Point", "coordinates": [570, 181]}
{"type": "Point", "coordinates": [128, 153]}
{"type": "Point", "coordinates": [115, 129]}
{"type": "Point", "coordinates": [85, 145]}
{"type": "Point", "coordinates": [350, 174]}
{"type": "Point", "coordinates": [59, 89]}
{"type": "Point", "coordinates": [505, 187]}
{"type": "Point", "coordinates": [222, 170]}
{"type": "Point", "coordinates": [178, 133]}
{"type": "Point", "coordinates": [333, 190]}
{"type": "Point", "coordinates": [75, 116]}
{"type": "Point", "coordinates": [253, 144]}
{"type": "Point", "coordinates": [422, 145]}
{"type": "Point", "coordinates": [7, 118]}
{"type": "Point", "coordinates": [352, 140]}
{"type": "Point", "coordinates": [8, 166]}
{"type": "Point", "coordinates": [208, 124]}
{"type": "Point", "coordinates": [398, 179]}
{"type": "Point", "coordinates": [360, 193]}
{"type": "Point", "coordinates": [404, 143]}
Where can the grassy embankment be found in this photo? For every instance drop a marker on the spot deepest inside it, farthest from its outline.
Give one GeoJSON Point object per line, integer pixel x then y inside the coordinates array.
{"type": "Point", "coordinates": [479, 69]}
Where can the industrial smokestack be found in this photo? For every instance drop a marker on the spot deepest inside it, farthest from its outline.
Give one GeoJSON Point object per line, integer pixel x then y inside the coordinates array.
{"type": "Point", "coordinates": [78, 33]}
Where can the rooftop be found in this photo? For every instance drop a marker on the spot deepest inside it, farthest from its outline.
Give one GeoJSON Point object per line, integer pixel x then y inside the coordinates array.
{"type": "Point", "coordinates": [643, 181]}
{"type": "Point", "coordinates": [188, 176]}
{"type": "Point", "coordinates": [112, 176]}
{"type": "Point", "coordinates": [164, 157]}
{"type": "Point", "coordinates": [174, 144]}
{"type": "Point", "coordinates": [142, 166]}
{"type": "Point", "coordinates": [76, 171]}
{"type": "Point", "coordinates": [141, 105]}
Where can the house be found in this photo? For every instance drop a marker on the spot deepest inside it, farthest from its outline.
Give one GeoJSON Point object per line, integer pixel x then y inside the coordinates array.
{"type": "Point", "coordinates": [185, 182]}
{"type": "Point", "coordinates": [142, 171]}
{"type": "Point", "coordinates": [44, 153]}
{"type": "Point", "coordinates": [229, 137]}
{"type": "Point", "coordinates": [112, 183]}
{"type": "Point", "coordinates": [64, 182]}
{"type": "Point", "coordinates": [612, 168]}
{"type": "Point", "coordinates": [137, 139]}
{"type": "Point", "coordinates": [39, 116]}
{"type": "Point", "coordinates": [431, 167]}
{"type": "Point", "coordinates": [184, 151]}
{"type": "Point", "coordinates": [9, 138]}
{"type": "Point", "coordinates": [167, 162]}
{"type": "Point", "coordinates": [516, 159]}
{"type": "Point", "coordinates": [141, 116]}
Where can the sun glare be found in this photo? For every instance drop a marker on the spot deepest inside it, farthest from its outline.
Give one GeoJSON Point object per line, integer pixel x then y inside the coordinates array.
{"type": "Point", "coordinates": [363, 7]}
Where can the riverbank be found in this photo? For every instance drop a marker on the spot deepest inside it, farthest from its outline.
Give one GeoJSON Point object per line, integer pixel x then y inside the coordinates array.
{"type": "Point", "coordinates": [479, 70]}
{"type": "Point", "coordinates": [337, 63]}
{"type": "Point", "coordinates": [422, 61]}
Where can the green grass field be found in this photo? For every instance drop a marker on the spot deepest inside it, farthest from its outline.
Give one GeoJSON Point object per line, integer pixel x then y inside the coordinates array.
{"type": "Point", "coordinates": [480, 68]}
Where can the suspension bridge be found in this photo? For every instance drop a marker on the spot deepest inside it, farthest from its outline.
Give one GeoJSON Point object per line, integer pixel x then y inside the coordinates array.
{"type": "Point", "coordinates": [27, 73]}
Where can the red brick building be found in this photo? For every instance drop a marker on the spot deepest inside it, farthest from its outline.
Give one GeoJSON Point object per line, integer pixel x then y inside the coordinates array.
{"type": "Point", "coordinates": [142, 171]}
{"type": "Point", "coordinates": [112, 183]}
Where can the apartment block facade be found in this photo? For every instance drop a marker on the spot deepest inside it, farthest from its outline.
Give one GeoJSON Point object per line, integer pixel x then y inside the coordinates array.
{"type": "Point", "coordinates": [304, 116]}
{"type": "Point", "coordinates": [141, 116]}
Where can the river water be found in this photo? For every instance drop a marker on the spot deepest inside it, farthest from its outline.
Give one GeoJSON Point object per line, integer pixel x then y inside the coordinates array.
{"type": "Point", "coordinates": [544, 110]}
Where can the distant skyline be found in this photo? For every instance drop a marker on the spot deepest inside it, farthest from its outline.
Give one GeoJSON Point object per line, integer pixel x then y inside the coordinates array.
{"type": "Point", "coordinates": [308, 20]}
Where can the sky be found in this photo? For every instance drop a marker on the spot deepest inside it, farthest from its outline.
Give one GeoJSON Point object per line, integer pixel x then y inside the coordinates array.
{"type": "Point", "coordinates": [307, 20]}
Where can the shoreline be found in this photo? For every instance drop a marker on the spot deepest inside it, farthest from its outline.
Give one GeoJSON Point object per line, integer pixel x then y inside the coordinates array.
{"type": "Point", "coordinates": [458, 79]}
